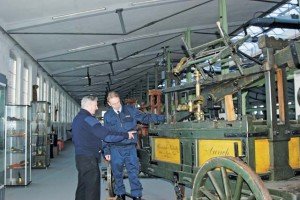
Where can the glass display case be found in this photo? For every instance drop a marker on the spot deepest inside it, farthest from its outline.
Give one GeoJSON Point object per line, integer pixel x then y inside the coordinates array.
{"type": "Point", "coordinates": [17, 146]}
{"type": "Point", "coordinates": [40, 130]}
{"type": "Point", "coordinates": [2, 131]}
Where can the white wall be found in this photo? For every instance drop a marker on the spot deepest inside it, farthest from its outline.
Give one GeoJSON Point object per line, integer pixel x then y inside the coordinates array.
{"type": "Point", "coordinates": [8, 46]}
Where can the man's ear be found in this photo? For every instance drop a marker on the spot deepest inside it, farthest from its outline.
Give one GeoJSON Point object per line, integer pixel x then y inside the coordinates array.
{"type": "Point", "coordinates": [109, 104]}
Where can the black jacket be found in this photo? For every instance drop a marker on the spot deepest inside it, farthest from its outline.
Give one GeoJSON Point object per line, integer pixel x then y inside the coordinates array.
{"type": "Point", "coordinates": [87, 134]}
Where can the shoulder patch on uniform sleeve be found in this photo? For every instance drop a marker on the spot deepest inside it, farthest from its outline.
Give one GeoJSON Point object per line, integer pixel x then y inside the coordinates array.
{"type": "Point", "coordinates": [91, 120]}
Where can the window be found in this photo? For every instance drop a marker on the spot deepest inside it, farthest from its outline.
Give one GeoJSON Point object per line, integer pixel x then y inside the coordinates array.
{"type": "Point", "coordinates": [45, 90]}
{"type": "Point", "coordinates": [63, 109]}
{"type": "Point", "coordinates": [57, 108]}
{"type": "Point", "coordinates": [38, 89]}
{"type": "Point", "coordinates": [52, 101]}
{"type": "Point", "coordinates": [289, 9]}
{"type": "Point", "coordinates": [25, 84]}
{"type": "Point", "coordinates": [68, 110]}
{"type": "Point", "coordinates": [12, 80]}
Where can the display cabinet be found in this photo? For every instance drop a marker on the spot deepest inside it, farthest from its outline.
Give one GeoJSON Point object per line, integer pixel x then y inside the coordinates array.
{"type": "Point", "coordinates": [2, 131]}
{"type": "Point", "coordinates": [40, 130]}
{"type": "Point", "coordinates": [17, 146]}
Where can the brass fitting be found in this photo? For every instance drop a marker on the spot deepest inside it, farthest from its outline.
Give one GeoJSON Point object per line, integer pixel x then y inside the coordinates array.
{"type": "Point", "coordinates": [190, 106]}
{"type": "Point", "coordinates": [194, 105]}
{"type": "Point", "coordinates": [199, 115]}
{"type": "Point", "coordinates": [199, 99]}
{"type": "Point", "coordinates": [185, 107]}
{"type": "Point", "coordinates": [179, 67]}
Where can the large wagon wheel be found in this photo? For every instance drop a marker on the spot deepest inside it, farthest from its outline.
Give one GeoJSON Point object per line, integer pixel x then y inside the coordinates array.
{"type": "Point", "coordinates": [110, 182]}
{"type": "Point", "coordinates": [212, 181]}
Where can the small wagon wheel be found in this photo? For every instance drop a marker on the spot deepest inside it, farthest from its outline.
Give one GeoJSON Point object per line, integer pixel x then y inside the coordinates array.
{"type": "Point", "coordinates": [212, 181]}
{"type": "Point", "coordinates": [110, 182]}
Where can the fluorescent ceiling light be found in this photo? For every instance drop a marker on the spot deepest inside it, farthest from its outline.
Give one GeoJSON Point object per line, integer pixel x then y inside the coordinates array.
{"type": "Point", "coordinates": [144, 2]}
{"type": "Point", "coordinates": [86, 47]}
{"type": "Point", "coordinates": [78, 14]}
{"type": "Point", "coordinates": [140, 37]}
{"type": "Point", "coordinates": [89, 65]}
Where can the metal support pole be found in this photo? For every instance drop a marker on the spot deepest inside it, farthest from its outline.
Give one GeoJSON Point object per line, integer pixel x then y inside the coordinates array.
{"type": "Point", "coordinates": [278, 133]}
{"type": "Point", "coordinates": [223, 15]}
{"type": "Point", "coordinates": [156, 76]}
{"type": "Point", "coordinates": [141, 91]}
{"type": "Point", "coordinates": [229, 107]}
{"type": "Point", "coordinates": [119, 12]}
{"type": "Point", "coordinates": [270, 100]}
{"type": "Point", "coordinates": [109, 78]}
{"type": "Point", "coordinates": [115, 50]}
{"type": "Point", "coordinates": [297, 94]}
{"type": "Point", "coordinates": [108, 86]}
{"type": "Point", "coordinates": [167, 84]}
{"type": "Point", "coordinates": [240, 104]}
{"type": "Point", "coordinates": [112, 68]}
{"type": "Point", "coordinates": [244, 103]}
{"type": "Point", "coordinates": [148, 87]}
{"type": "Point", "coordinates": [189, 74]}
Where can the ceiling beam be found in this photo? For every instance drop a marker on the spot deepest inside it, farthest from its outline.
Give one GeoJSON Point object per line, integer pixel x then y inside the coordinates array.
{"type": "Point", "coordinates": [25, 24]}
{"type": "Point", "coordinates": [129, 87]}
{"type": "Point", "coordinates": [275, 2]}
{"type": "Point", "coordinates": [72, 60]}
{"type": "Point", "coordinates": [133, 38]}
{"type": "Point", "coordinates": [117, 82]}
{"type": "Point", "coordinates": [76, 80]}
{"type": "Point", "coordinates": [124, 80]}
{"type": "Point", "coordinates": [121, 82]}
{"type": "Point", "coordinates": [85, 91]}
{"type": "Point", "coordinates": [55, 73]}
{"type": "Point", "coordinates": [71, 80]}
{"type": "Point", "coordinates": [151, 23]}
{"type": "Point", "coordinates": [101, 63]}
{"type": "Point", "coordinates": [78, 68]}
{"type": "Point", "coordinates": [100, 60]}
{"type": "Point", "coordinates": [119, 12]}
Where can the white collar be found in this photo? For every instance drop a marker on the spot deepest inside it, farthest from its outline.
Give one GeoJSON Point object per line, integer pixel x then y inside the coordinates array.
{"type": "Point", "coordinates": [116, 111]}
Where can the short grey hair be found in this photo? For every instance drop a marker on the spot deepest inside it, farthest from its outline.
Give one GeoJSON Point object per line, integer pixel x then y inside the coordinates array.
{"type": "Point", "coordinates": [85, 100]}
{"type": "Point", "coordinates": [111, 95]}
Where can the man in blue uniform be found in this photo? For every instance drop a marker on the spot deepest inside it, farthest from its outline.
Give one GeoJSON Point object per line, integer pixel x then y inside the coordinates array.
{"type": "Point", "coordinates": [121, 119]}
{"type": "Point", "coordinates": [87, 135]}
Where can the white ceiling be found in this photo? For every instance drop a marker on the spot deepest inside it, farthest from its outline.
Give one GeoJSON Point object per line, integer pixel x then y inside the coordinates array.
{"type": "Point", "coordinates": [78, 34]}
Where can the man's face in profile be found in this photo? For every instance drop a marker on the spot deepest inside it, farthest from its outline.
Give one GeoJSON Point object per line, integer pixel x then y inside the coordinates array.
{"type": "Point", "coordinates": [115, 103]}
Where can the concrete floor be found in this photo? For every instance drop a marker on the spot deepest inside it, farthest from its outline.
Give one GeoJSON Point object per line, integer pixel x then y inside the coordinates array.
{"type": "Point", "coordinates": [58, 182]}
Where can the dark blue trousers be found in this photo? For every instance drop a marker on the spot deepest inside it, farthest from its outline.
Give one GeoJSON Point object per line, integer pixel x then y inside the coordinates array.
{"type": "Point", "coordinates": [126, 155]}
{"type": "Point", "coordinates": [88, 187]}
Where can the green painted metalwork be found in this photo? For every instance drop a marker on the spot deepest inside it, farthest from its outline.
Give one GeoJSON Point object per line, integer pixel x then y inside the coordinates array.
{"type": "Point", "coordinates": [247, 138]}
{"type": "Point", "coordinates": [247, 131]}
{"type": "Point", "coordinates": [223, 14]}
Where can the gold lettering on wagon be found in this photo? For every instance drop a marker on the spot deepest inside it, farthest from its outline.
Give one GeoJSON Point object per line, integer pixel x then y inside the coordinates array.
{"type": "Point", "coordinates": [218, 152]}
{"type": "Point", "coordinates": [167, 150]}
{"type": "Point", "coordinates": [214, 148]}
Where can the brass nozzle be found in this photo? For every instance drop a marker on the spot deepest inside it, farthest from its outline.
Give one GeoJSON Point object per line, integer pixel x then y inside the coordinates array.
{"type": "Point", "coordinates": [179, 67]}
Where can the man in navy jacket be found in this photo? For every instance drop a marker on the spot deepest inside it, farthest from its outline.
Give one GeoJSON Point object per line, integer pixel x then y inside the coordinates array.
{"type": "Point", "coordinates": [123, 118]}
{"type": "Point", "coordinates": [87, 134]}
